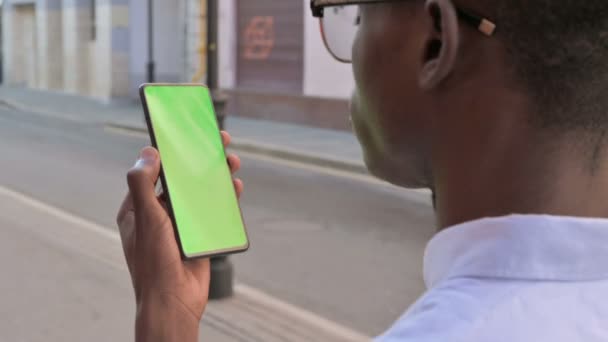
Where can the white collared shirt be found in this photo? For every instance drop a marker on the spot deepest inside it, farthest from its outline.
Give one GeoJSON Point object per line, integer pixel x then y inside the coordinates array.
{"type": "Point", "coordinates": [513, 279]}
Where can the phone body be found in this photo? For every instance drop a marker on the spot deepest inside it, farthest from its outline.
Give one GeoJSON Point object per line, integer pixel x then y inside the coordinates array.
{"type": "Point", "coordinates": [195, 175]}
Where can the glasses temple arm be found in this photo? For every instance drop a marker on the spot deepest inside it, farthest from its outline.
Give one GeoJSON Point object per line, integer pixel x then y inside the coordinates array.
{"type": "Point", "coordinates": [484, 25]}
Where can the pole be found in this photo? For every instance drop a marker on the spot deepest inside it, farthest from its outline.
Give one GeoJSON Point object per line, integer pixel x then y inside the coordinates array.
{"type": "Point", "coordinates": [222, 272]}
{"type": "Point", "coordinates": [212, 28]}
{"type": "Point", "coordinates": [1, 46]}
{"type": "Point", "coordinates": [219, 97]}
{"type": "Point", "coordinates": [150, 65]}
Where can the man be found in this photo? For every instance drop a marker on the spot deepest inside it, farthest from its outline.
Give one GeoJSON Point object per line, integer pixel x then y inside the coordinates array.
{"type": "Point", "coordinates": [501, 108]}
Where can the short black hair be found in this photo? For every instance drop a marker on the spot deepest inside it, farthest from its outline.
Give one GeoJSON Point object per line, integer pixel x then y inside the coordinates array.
{"type": "Point", "coordinates": [559, 49]}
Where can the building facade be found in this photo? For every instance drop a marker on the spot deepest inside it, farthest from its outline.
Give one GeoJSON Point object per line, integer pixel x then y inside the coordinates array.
{"type": "Point", "coordinates": [275, 65]}
{"type": "Point", "coordinates": [1, 45]}
{"type": "Point", "coordinates": [272, 59]}
{"type": "Point", "coordinates": [95, 48]}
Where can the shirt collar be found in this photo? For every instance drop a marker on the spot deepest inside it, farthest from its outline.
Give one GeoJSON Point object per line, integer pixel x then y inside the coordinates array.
{"type": "Point", "coordinates": [520, 247]}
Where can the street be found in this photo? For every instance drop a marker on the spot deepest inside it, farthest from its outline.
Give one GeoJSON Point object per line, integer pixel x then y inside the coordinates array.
{"type": "Point", "coordinates": [345, 248]}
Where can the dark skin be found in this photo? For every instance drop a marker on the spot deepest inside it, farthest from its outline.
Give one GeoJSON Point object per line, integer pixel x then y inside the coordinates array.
{"type": "Point", "coordinates": [437, 105]}
{"type": "Point", "coordinates": [170, 293]}
{"type": "Point", "coordinates": [454, 119]}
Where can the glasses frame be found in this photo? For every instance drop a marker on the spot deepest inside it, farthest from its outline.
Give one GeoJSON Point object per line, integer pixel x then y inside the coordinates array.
{"type": "Point", "coordinates": [483, 25]}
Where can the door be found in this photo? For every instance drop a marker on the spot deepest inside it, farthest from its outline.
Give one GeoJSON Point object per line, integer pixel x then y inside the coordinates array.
{"type": "Point", "coordinates": [29, 45]}
{"type": "Point", "coordinates": [24, 43]}
{"type": "Point", "coordinates": [270, 45]}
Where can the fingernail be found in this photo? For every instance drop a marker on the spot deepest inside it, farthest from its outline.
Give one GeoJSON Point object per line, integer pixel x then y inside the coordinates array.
{"type": "Point", "coordinates": [147, 156]}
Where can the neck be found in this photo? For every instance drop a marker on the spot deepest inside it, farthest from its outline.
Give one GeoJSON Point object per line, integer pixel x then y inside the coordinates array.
{"type": "Point", "coordinates": [502, 174]}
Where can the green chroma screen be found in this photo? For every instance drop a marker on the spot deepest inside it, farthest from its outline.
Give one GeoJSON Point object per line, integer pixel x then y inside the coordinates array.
{"type": "Point", "coordinates": [204, 203]}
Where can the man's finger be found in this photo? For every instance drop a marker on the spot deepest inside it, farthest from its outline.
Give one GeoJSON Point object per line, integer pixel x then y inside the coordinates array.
{"type": "Point", "coordinates": [234, 162]}
{"type": "Point", "coordinates": [238, 187]}
{"type": "Point", "coordinates": [142, 179]}
{"type": "Point", "coordinates": [226, 138]}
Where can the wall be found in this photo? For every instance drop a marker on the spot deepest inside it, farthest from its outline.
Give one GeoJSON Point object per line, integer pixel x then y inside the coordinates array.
{"type": "Point", "coordinates": [115, 63]}
{"type": "Point", "coordinates": [7, 41]}
{"type": "Point", "coordinates": [323, 75]}
{"type": "Point", "coordinates": [139, 47]}
{"type": "Point", "coordinates": [61, 54]}
{"type": "Point", "coordinates": [109, 53]}
{"type": "Point", "coordinates": [168, 52]}
{"type": "Point", "coordinates": [227, 41]}
{"type": "Point", "coordinates": [326, 84]}
{"type": "Point", "coordinates": [24, 50]}
{"type": "Point", "coordinates": [50, 44]}
{"type": "Point", "coordinates": [194, 61]}
{"type": "Point", "coordinates": [191, 61]}
{"type": "Point", "coordinates": [77, 35]}
{"type": "Point", "coordinates": [120, 46]}
{"type": "Point", "coordinates": [14, 40]}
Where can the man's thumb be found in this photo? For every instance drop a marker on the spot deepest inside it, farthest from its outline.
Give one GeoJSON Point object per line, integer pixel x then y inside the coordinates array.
{"type": "Point", "coordinates": [142, 178]}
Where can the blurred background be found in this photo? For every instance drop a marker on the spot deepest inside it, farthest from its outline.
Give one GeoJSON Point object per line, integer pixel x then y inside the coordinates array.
{"type": "Point", "coordinates": [335, 254]}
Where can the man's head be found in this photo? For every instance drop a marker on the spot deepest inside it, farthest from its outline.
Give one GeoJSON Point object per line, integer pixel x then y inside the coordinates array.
{"type": "Point", "coordinates": [434, 93]}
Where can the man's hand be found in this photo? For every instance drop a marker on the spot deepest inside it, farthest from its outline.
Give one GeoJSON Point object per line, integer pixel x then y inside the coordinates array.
{"type": "Point", "coordinates": [171, 294]}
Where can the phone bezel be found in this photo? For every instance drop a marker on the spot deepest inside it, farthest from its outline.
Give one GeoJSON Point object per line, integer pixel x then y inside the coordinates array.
{"type": "Point", "coordinates": [166, 190]}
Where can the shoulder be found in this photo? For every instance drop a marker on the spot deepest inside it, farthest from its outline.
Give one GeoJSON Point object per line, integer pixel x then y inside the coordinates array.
{"type": "Point", "coordinates": [451, 312]}
{"type": "Point", "coordinates": [470, 310]}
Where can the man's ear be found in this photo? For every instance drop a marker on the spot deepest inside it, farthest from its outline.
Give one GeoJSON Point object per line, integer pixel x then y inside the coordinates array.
{"type": "Point", "coordinates": [441, 47]}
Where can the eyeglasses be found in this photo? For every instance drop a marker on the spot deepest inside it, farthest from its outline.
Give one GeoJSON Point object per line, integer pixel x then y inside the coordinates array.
{"type": "Point", "coordinates": [339, 20]}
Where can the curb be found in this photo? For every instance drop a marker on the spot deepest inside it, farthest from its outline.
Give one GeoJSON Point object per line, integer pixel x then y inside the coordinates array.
{"type": "Point", "coordinates": [18, 106]}
{"type": "Point", "coordinates": [10, 104]}
{"type": "Point", "coordinates": [249, 146]}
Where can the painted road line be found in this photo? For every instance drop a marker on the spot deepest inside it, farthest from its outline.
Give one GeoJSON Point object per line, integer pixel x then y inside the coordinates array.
{"type": "Point", "coordinates": [41, 112]}
{"type": "Point", "coordinates": [254, 307]}
{"type": "Point", "coordinates": [123, 130]}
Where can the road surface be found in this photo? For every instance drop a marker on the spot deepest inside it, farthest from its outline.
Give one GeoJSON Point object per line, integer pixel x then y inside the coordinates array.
{"type": "Point", "coordinates": [343, 247]}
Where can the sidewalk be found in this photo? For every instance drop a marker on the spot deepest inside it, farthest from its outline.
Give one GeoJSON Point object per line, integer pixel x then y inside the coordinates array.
{"type": "Point", "coordinates": [322, 147]}
{"type": "Point", "coordinates": [86, 282]}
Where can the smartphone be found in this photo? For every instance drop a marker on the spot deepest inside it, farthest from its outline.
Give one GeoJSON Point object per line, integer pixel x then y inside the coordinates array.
{"type": "Point", "coordinates": [195, 175]}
